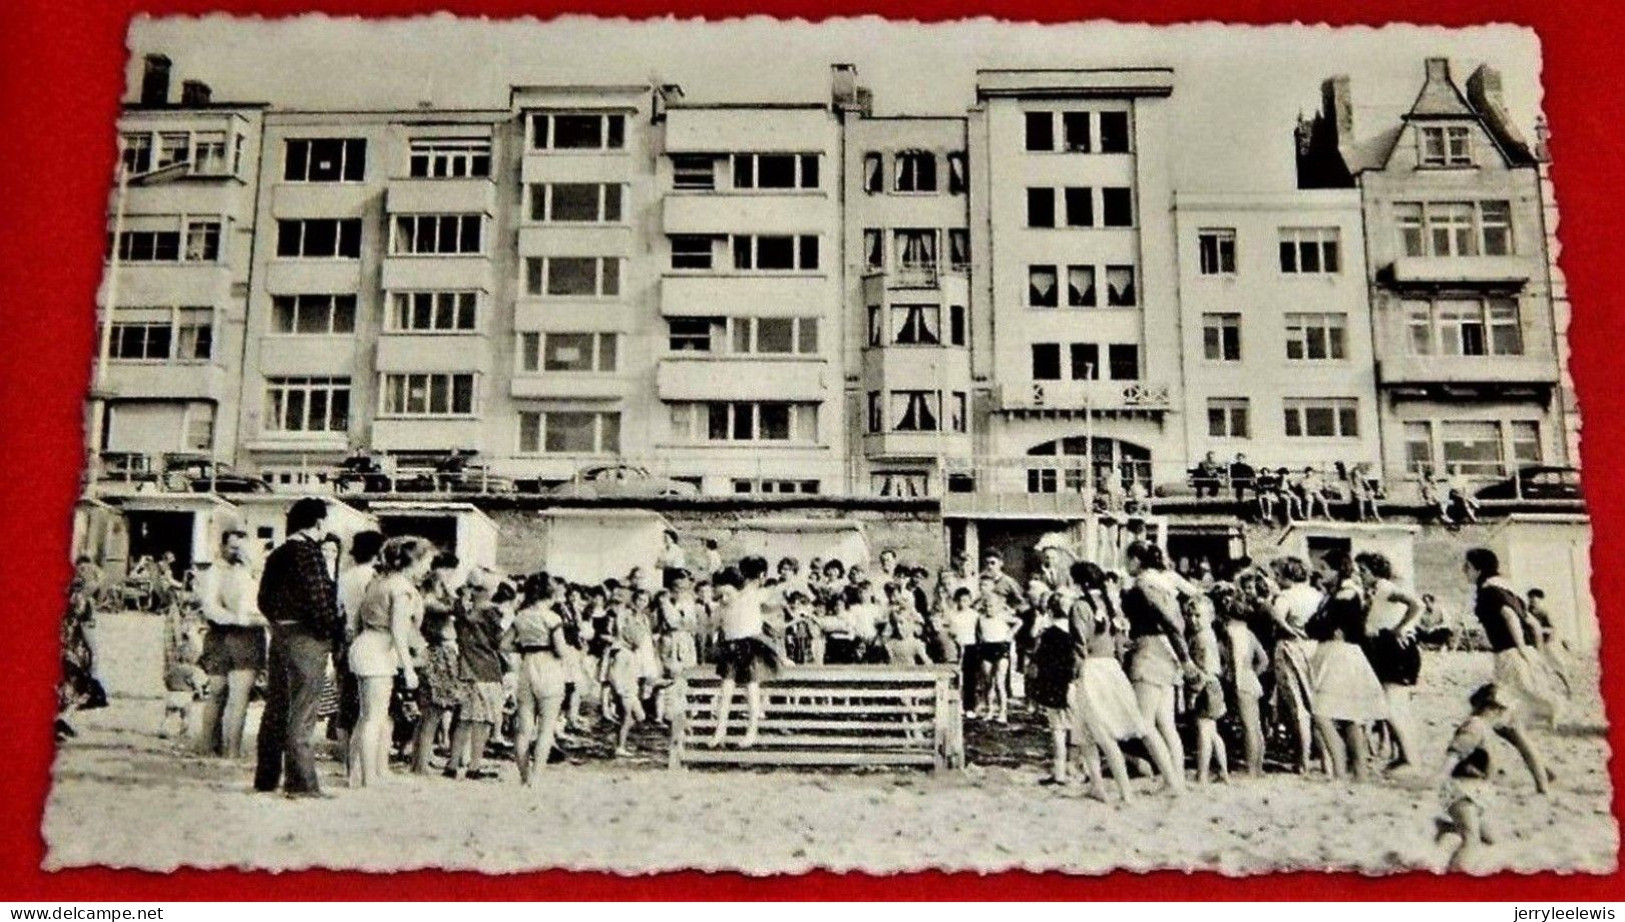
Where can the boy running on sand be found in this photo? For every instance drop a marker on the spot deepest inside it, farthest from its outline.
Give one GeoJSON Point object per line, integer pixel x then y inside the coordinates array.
{"type": "Point", "coordinates": [1468, 768]}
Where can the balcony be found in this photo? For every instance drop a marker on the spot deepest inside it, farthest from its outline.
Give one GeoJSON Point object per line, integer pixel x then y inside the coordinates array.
{"type": "Point", "coordinates": [981, 505]}
{"type": "Point", "coordinates": [1488, 371]}
{"type": "Point", "coordinates": [583, 238]}
{"type": "Point", "coordinates": [447, 273]}
{"type": "Point", "coordinates": [568, 386]}
{"type": "Point", "coordinates": [952, 284]}
{"type": "Point", "coordinates": [329, 276]}
{"type": "Point", "coordinates": [896, 367]}
{"type": "Point", "coordinates": [426, 434]}
{"type": "Point", "coordinates": [1085, 396]}
{"type": "Point", "coordinates": [892, 446]}
{"type": "Point", "coordinates": [307, 355]}
{"type": "Point", "coordinates": [165, 380]}
{"type": "Point", "coordinates": [531, 314]}
{"type": "Point", "coordinates": [773, 211]}
{"type": "Point", "coordinates": [197, 195]}
{"type": "Point", "coordinates": [743, 378]}
{"type": "Point", "coordinates": [458, 352]}
{"type": "Point", "coordinates": [441, 196]}
{"type": "Point", "coordinates": [190, 283]}
{"type": "Point", "coordinates": [1437, 271]}
{"type": "Point", "coordinates": [746, 295]}
{"type": "Point", "coordinates": [320, 199]}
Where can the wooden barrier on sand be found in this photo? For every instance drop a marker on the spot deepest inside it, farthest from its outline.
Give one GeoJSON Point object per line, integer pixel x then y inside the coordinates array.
{"type": "Point", "coordinates": [827, 715]}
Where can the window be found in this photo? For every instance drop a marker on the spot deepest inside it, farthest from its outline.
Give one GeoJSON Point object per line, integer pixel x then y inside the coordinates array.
{"type": "Point", "coordinates": [565, 432]}
{"type": "Point", "coordinates": [1495, 228]}
{"type": "Point", "coordinates": [692, 251]}
{"type": "Point", "coordinates": [1117, 206]}
{"type": "Point", "coordinates": [436, 394]}
{"type": "Point", "coordinates": [1075, 131]}
{"type": "Point", "coordinates": [1221, 337]}
{"type": "Point", "coordinates": [693, 172]}
{"type": "Point", "coordinates": [325, 160]}
{"type": "Point", "coordinates": [209, 153]}
{"type": "Point", "coordinates": [584, 131]}
{"type": "Point", "coordinates": [137, 156]}
{"type": "Point", "coordinates": [1041, 287]}
{"type": "Point", "coordinates": [1080, 206]}
{"type": "Point", "coordinates": [1120, 286]}
{"type": "Point", "coordinates": [202, 241]}
{"type": "Point", "coordinates": [914, 171]}
{"type": "Point", "coordinates": [916, 411]}
{"type": "Point", "coordinates": [958, 174]}
{"type": "Point", "coordinates": [435, 235]}
{"type": "Point", "coordinates": [1046, 361]}
{"type": "Point", "coordinates": [1080, 286]}
{"type": "Point", "coordinates": [1227, 418]}
{"type": "Point", "coordinates": [1041, 207]}
{"type": "Point", "coordinates": [775, 171]}
{"type": "Point", "coordinates": [916, 249]}
{"type": "Point", "coordinates": [1454, 228]}
{"type": "Point", "coordinates": [433, 312]}
{"type": "Point", "coordinates": [1316, 337]}
{"type": "Point", "coordinates": [874, 249]}
{"type": "Point", "coordinates": [1418, 447]}
{"type": "Point", "coordinates": [1216, 251]}
{"type": "Point", "coordinates": [876, 334]}
{"type": "Point", "coordinates": [902, 484]}
{"type": "Point", "coordinates": [959, 249]}
{"type": "Point", "coordinates": [150, 245]}
{"type": "Point", "coordinates": [573, 276]}
{"type": "Point", "coordinates": [1334, 417]}
{"type": "Point", "coordinates": [1114, 133]}
{"type": "Point", "coordinates": [877, 418]}
{"type": "Point", "coordinates": [1040, 131]}
{"type": "Point", "coordinates": [567, 352]}
{"type": "Point", "coordinates": [1474, 448]}
{"type": "Point", "coordinates": [449, 158]}
{"type": "Point", "coordinates": [775, 335]}
{"type": "Point", "coordinates": [916, 324]}
{"type": "Point", "coordinates": [1450, 227]}
{"type": "Point", "coordinates": [576, 203]}
{"type": "Point", "coordinates": [173, 148]}
{"type": "Point", "coordinates": [958, 415]}
{"type": "Point", "coordinates": [692, 334]}
{"type": "Point", "coordinates": [1467, 326]}
{"type": "Point", "coordinates": [873, 171]}
{"type": "Point", "coordinates": [775, 252]}
{"type": "Point", "coordinates": [315, 238]}
{"type": "Point", "coordinates": [774, 487]}
{"type": "Point", "coordinates": [141, 341]}
{"type": "Point", "coordinates": [313, 315]}
{"type": "Point", "coordinates": [745, 421]}
{"type": "Point", "coordinates": [1124, 361]}
{"type": "Point", "coordinates": [307, 405]}
{"type": "Point", "coordinates": [1309, 250]}
{"type": "Point", "coordinates": [1447, 146]}
{"type": "Point", "coordinates": [1526, 447]}
{"type": "Point", "coordinates": [1085, 361]}
{"type": "Point", "coordinates": [956, 325]}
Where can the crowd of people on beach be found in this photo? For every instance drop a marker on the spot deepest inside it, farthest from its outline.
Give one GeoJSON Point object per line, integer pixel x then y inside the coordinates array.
{"type": "Point", "coordinates": [402, 653]}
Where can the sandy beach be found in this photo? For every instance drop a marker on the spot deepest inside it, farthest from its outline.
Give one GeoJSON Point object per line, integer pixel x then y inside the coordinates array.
{"type": "Point", "coordinates": [123, 797]}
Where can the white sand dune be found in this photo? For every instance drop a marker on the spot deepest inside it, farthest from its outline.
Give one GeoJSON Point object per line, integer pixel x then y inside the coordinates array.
{"type": "Point", "coordinates": [124, 798]}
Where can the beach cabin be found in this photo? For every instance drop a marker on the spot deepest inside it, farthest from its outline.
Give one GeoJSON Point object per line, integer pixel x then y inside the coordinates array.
{"type": "Point", "coordinates": [265, 515]}
{"type": "Point", "coordinates": [459, 528]}
{"type": "Point", "coordinates": [1553, 552]}
{"type": "Point", "coordinates": [187, 525]}
{"type": "Point", "coordinates": [1313, 540]}
{"type": "Point", "coordinates": [802, 539]}
{"type": "Point", "coordinates": [592, 545]}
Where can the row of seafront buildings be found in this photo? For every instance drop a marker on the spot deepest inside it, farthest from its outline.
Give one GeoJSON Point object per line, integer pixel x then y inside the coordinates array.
{"type": "Point", "coordinates": [813, 299]}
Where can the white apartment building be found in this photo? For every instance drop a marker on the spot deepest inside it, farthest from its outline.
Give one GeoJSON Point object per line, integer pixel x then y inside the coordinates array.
{"type": "Point", "coordinates": [1276, 352]}
{"type": "Point", "coordinates": [1073, 240]}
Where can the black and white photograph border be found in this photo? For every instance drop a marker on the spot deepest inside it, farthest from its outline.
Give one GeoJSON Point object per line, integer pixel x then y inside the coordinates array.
{"type": "Point", "coordinates": [866, 445]}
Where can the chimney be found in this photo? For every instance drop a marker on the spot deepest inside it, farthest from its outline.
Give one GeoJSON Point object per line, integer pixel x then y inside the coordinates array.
{"type": "Point", "coordinates": [195, 93]}
{"type": "Point", "coordinates": [844, 86]}
{"type": "Point", "coordinates": [155, 81]}
{"type": "Point", "coordinates": [1438, 69]}
{"type": "Point", "coordinates": [1337, 104]}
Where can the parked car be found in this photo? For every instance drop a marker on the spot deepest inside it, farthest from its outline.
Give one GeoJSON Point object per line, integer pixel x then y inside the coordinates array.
{"type": "Point", "coordinates": [1536, 483]}
{"type": "Point", "coordinates": [212, 477]}
{"type": "Point", "coordinates": [616, 480]}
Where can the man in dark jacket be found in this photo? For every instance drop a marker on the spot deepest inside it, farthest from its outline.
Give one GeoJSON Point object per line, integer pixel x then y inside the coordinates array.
{"type": "Point", "coordinates": [298, 597]}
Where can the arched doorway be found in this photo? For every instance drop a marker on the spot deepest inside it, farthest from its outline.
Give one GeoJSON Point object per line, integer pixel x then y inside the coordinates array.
{"type": "Point", "coordinates": [1079, 461]}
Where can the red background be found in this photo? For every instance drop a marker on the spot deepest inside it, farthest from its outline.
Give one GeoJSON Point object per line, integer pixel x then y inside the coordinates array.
{"type": "Point", "coordinates": [61, 75]}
